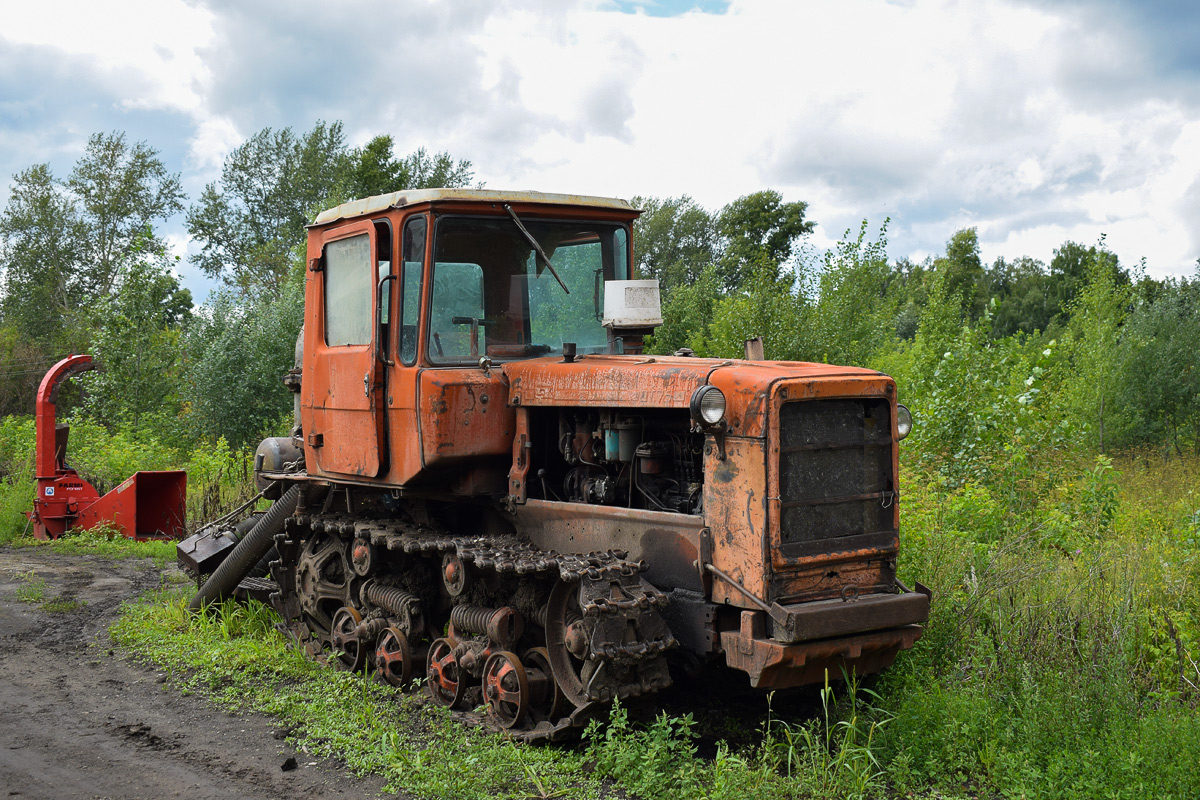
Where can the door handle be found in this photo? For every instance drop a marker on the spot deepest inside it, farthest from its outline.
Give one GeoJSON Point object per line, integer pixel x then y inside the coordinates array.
{"type": "Point", "coordinates": [367, 384]}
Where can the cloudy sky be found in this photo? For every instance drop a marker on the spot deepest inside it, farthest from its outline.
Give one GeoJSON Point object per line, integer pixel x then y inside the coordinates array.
{"type": "Point", "coordinates": [1036, 122]}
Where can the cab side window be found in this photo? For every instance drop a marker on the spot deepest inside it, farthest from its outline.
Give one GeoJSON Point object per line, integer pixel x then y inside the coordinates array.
{"type": "Point", "coordinates": [349, 285]}
{"type": "Point", "coordinates": [412, 262]}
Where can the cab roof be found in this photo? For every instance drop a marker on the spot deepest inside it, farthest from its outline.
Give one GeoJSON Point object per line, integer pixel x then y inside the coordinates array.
{"type": "Point", "coordinates": [382, 202]}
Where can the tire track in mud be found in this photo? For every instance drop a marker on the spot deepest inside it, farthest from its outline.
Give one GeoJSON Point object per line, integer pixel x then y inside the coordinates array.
{"type": "Point", "coordinates": [77, 719]}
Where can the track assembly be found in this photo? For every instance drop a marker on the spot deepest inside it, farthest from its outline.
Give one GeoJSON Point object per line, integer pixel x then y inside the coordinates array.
{"type": "Point", "coordinates": [588, 625]}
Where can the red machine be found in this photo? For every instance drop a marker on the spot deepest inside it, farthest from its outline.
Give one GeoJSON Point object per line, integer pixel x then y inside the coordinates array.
{"type": "Point", "coordinates": [148, 505]}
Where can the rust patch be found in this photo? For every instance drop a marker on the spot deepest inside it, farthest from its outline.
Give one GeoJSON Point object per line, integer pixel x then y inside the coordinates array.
{"type": "Point", "coordinates": [727, 472]}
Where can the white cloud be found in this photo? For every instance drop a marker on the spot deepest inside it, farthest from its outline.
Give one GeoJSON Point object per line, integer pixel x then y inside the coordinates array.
{"type": "Point", "coordinates": [1035, 123]}
{"type": "Point", "coordinates": [156, 40]}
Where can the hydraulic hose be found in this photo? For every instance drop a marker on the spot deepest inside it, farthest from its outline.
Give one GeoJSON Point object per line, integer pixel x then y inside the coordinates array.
{"type": "Point", "coordinates": [247, 553]}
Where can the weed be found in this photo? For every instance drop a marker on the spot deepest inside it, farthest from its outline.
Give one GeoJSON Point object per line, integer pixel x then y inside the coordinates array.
{"type": "Point", "coordinates": [655, 761]}
{"type": "Point", "coordinates": [32, 588]}
{"type": "Point", "coordinates": [106, 541]}
{"type": "Point", "coordinates": [833, 755]}
{"type": "Point", "coordinates": [62, 605]}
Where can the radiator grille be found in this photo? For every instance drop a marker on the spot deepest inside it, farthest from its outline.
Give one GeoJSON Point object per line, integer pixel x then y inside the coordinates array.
{"type": "Point", "coordinates": [835, 469]}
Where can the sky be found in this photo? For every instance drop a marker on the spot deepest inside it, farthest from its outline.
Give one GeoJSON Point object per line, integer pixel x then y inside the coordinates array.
{"type": "Point", "coordinates": [1035, 121]}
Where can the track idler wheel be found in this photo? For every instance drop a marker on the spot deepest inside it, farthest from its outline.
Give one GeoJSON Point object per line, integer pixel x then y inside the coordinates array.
{"type": "Point", "coordinates": [567, 642]}
{"type": "Point", "coordinates": [546, 701]}
{"type": "Point", "coordinates": [394, 661]}
{"type": "Point", "coordinates": [323, 582]}
{"type": "Point", "coordinates": [446, 684]}
{"type": "Point", "coordinates": [506, 689]}
{"type": "Point", "coordinates": [605, 638]}
{"type": "Point", "coordinates": [349, 650]}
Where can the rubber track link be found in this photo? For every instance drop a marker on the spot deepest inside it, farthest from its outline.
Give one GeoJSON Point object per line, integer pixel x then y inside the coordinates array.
{"type": "Point", "coordinates": [612, 598]}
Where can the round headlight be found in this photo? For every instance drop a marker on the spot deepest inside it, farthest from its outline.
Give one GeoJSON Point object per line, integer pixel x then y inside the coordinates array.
{"type": "Point", "coordinates": [708, 406]}
{"type": "Point", "coordinates": [903, 421]}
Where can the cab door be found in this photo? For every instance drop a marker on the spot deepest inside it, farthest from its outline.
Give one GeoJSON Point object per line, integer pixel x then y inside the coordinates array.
{"type": "Point", "coordinates": [342, 389]}
{"type": "Point", "coordinates": [403, 429]}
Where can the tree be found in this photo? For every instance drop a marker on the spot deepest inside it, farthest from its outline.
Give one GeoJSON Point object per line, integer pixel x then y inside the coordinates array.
{"type": "Point", "coordinates": [764, 305]}
{"type": "Point", "coordinates": [1163, 364]}
{"type": "Point", "coordinates": [420, 170]}
{"type": "Point", "coordinates": [963, 270]}
{"type": "Point", "coordinates": [1097, 315]}
{"type": "Point", "coordinates": [41, 238]}
{"type": "Point", "coordinates": [686, 314]}
{"type": "Point", "coordinates": [854, 316]}
{"type": "Point", "coordinates": [374, 169]}
{"type": "Point", "coordinates": [757, 229]}
{"type": "Point", "coordinates": [249, 222]}
{"type": "Point", "coordinates": [1024, 294]}
{"type": "Point", "coordinates": [136, 344]}
{"type": "Point", "coordinates": [1070, 270]}
{"type": "Point", "coordinates": [121, 191]}
{"type": "Point", "coordinates": [674, 240]}
{"type": "Point", "coordinates": [64, 243]}
{"type": "Point", "coordinates": [237, 350]}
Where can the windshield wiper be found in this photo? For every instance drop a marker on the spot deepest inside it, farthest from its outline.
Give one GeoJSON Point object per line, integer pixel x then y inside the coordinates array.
{"type": "Point", "coordinates": [536, 246]}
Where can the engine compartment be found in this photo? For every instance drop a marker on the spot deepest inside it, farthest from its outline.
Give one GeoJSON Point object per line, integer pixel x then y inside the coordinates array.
{"type": "Point", "coordinates": [635, 458]}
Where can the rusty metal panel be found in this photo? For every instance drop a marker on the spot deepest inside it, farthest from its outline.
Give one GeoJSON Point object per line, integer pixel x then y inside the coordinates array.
{"type": "Point", "coordinates": [854, 614]}
{"type": "Point", "coordinates": [607, 381]}
{"type": "Point", "coordinates": [518, 487]}
{"type": "Point", "coordinates": [464, 414]}
{"type": "Point", "coordinates": [735, 507]}
{"type": "Point", "coordinates": [834, 574]}
{"type": "Point", "coordinates": [670, 543]}
{"type": "Point", "coordinates": [863, 562]}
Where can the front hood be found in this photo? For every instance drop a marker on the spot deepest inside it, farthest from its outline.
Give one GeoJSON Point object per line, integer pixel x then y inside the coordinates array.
{"type": "Point", "coordinates": [605, 381]}
{"type": "Point", "coordinates": [608, 381]}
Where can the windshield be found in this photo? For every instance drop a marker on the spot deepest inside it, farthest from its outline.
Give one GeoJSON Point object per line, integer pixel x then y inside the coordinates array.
{"type": "Point", "coordinates": [493, 295]}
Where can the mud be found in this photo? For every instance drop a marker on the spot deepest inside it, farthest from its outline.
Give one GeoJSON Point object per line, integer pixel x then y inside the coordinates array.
{"type": "Point", "coordinates": [79, 719]}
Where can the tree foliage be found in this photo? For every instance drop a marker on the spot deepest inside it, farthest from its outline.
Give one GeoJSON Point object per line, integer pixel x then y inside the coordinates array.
{"type": "Point", "coordinates": [136, 345]}
{"type": "Point", "coordinates": [673, 241]}
{"type": "Point", "coordinates": [251, 223]}
{"type": "Point", "coordinates": [121, 191]}
{"type": "Point", "coordinates": [44, 285]}
{"type": "Point", "coordinates": [248, 223]}
{"type": "Point", "coordinates": [759, 229]}
{"type": "Point", "coordinates": [237, 351]}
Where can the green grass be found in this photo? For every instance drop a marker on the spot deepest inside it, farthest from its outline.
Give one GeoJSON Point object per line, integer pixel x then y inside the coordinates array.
{"type": "Point", "coordinates": [106, 543]}
{"type": "Point", "coordinates": [62, 605]}
{"type": "Point", "coordinates": [234, 656]}
{"type": "Point", "coordinates": [32, 588]}
{"type": "Point", "coordinates": [1061, 657]}
{"type": "Point", "coordinates": [16, 497]}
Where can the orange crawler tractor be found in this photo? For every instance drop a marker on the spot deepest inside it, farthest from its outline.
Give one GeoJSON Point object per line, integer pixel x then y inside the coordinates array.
{"type": "Point", "coordinates": [491, 486]}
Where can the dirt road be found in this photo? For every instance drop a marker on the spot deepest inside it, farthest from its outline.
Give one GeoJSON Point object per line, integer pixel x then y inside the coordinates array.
{"type": "Point", "coordinates": [80, 720]}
